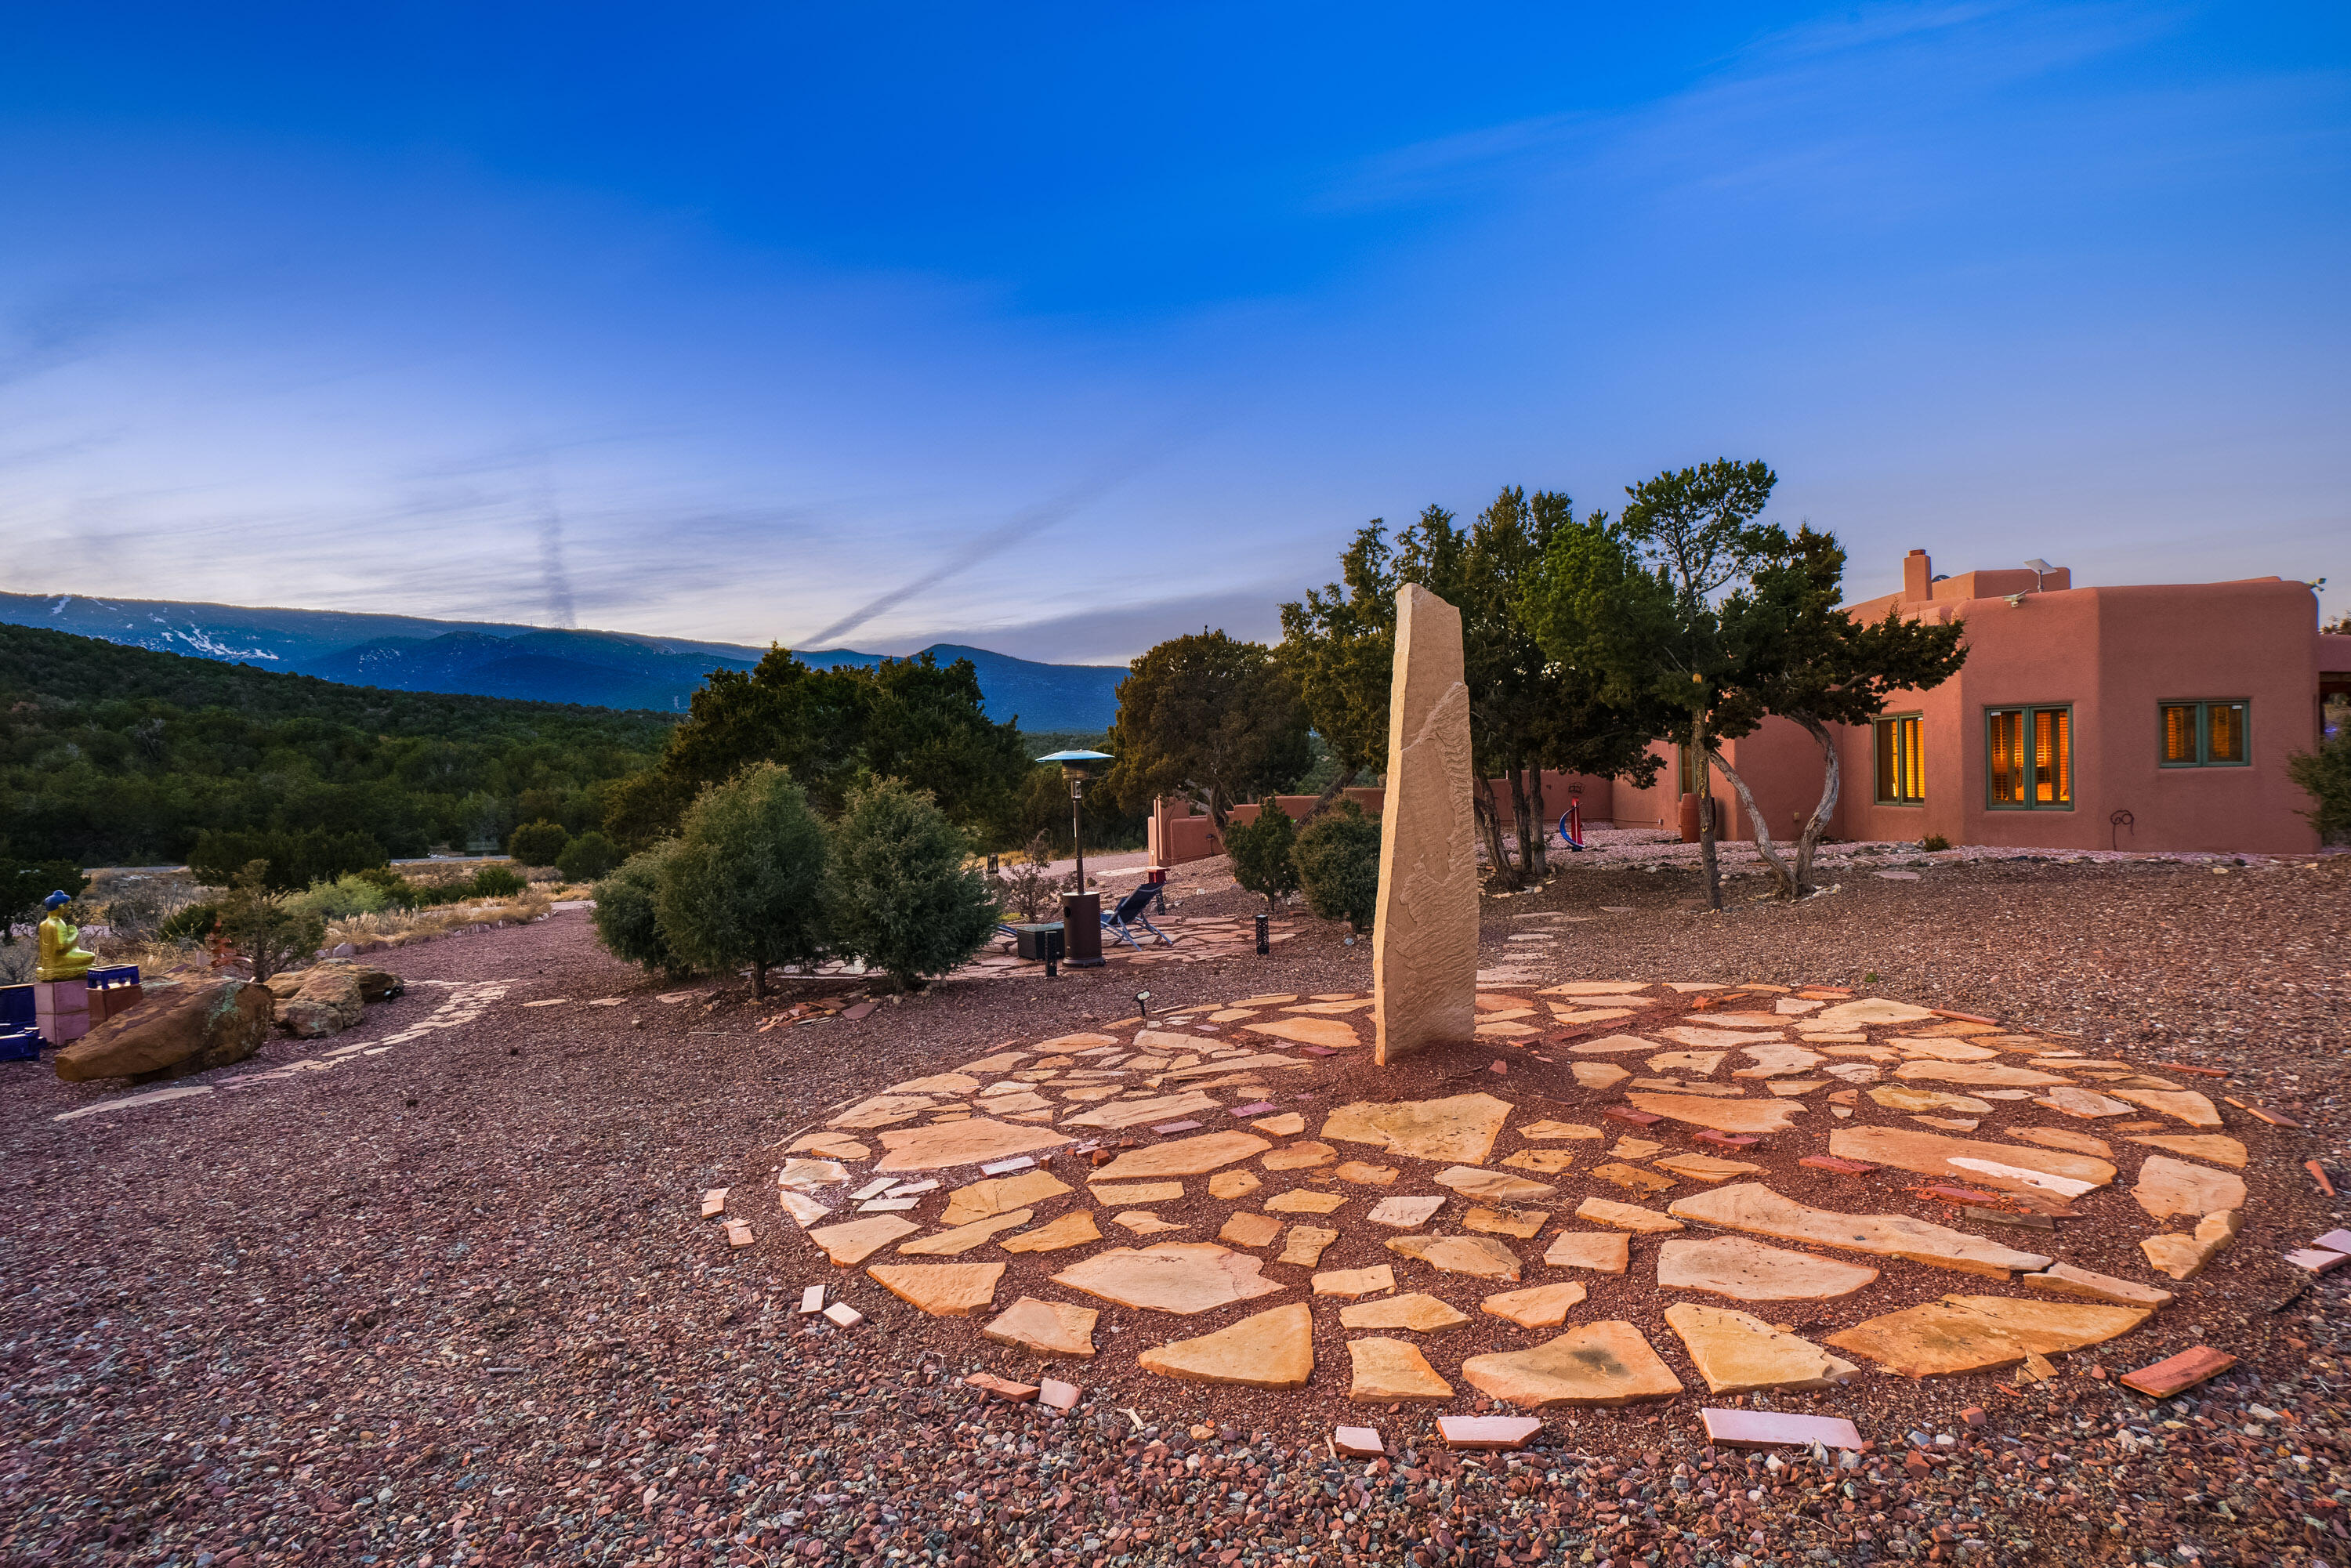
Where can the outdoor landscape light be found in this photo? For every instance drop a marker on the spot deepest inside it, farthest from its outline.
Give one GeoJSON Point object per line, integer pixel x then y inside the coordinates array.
{"type": "Point", "coordinates": [1143, 1002]}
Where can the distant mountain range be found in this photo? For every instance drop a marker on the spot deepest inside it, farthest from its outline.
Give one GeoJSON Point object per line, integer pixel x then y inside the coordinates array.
{"type": "Point", "coordinates": [603, 669]}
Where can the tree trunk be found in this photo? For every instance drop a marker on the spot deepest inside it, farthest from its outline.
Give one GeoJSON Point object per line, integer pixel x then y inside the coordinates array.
{"type": "Point", "coordinates": [1536, 862]}
{"type": "Point", "coordinates": [759, 980]}
{"type": "Point", "coordinates": [1832, 781]}
{"type": "Point", "coordinates": [1705, 861]}
{"type": "Point", "coordinates": [1331, 791]}
{"type": "Point", "coordinates": [1529, 830]}
{"type": "Point", "coordinates": [1489, 822]}
{"type": "Point", "coordinates": [1781, 872]}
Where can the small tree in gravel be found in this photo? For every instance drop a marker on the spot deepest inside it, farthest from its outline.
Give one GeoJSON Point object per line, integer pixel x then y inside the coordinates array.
{"type": "Point", "coordinates": [1027, 888]}
{"type": "Point", "coordinates": [906, 897]}
{"type": "Point", "coordinates": [747, 881]}
{"type": "Point", "coordinates": [2324, 775]}
{"type": "Point", "coordinates": [627, 917]}
{"type": "Point", "coordinates": [1338, 859]}
{"type": "Point", "coordinates": [1261, 854]}
{"type": "Point", "coordinates": [266, 928]}
{"type": "Point", "coordinates": [538, 843]}
{"type": "Point", "coordinates": [587, 857]}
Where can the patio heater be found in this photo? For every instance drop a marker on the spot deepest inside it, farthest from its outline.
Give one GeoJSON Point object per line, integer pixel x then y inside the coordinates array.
{"type": "Point", "coordinates": [1082, 910]}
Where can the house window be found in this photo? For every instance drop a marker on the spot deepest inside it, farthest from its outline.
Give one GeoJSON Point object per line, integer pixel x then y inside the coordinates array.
{"type": "Point", "coordinates": [1901, 766]}
{"type": "Point", "coordinates": [2029, 758]}
{"type": "Point", "coordinates": [2204, 735]}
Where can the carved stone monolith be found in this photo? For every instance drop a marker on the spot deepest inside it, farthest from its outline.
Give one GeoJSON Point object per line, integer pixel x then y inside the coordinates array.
{"type": "Point", "coordinates": [1424, 936]}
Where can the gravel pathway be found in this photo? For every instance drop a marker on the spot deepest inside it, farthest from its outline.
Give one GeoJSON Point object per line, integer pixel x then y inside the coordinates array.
{"type": "Point", "coordinates": [451, 1303]}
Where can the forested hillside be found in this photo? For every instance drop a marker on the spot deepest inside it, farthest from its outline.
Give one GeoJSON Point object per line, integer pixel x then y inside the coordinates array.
{"type": "Point", "coordinates": [114, 755]}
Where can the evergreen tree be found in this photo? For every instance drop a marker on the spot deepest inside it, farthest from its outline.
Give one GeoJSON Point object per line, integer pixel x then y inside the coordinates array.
{"type": "Point", "coordinates": [745, 883]}
{"type": "Point", "coordinates": [906, 896]}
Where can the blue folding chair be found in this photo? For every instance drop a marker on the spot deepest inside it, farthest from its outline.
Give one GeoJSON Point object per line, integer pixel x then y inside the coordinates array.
{"type": "Point", "coordinates": [1129, 911]}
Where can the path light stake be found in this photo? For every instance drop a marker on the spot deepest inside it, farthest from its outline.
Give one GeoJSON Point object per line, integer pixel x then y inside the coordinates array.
{"type": "Point", "coordinates": [1264, 935]}
{"type": "Point", "coordinates": [1143, 1005]}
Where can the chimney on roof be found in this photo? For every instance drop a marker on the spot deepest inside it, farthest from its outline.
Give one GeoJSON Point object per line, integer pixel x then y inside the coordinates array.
{"type": "Point", "coordinates": [1918, 576]}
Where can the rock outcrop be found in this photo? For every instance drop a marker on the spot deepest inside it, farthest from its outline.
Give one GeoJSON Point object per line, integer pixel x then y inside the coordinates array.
{"type": "Point", "coordinates": [178, 1029]}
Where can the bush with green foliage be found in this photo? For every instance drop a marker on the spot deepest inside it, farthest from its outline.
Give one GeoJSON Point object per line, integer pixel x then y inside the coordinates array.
{"type": "Point", "coordinates": [291, 862]}
{"type": "Point", "coordinates": [745, 884]}
{"type": "Point", "coordinates": [1338, 858]}
{"type": "Point", "coordinates": [342, 898]}
{"type": "Point", "coordinates": [589, 857]}
{"type": "Point", "coordinates": [2324, 775]}
{"type": "Point", "coordinates": [23, 883]}
{"type": "Point", "coordinates": [191, 924]}
{"type": "Point", "coordinates": [496, 882]}
{"type": "Point", "coordinates": [906, 897]}
{"type": "Point", "coordinates": [1934, 843]}
{"type": "Point", "coordinates": [628, 921]}
{"type": "Point", "coordinates": [537, 844]}
{"type": "Point", "coordinates": [1262, 853]}
{"type": "Point", "coordinates": [265, 926]}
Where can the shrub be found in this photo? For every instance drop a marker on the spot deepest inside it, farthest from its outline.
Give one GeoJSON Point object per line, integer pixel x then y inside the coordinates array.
{"type": "Point", "coordinates": [747, 881]}
{"type": "Point", "coordinates": [537, 844]}
{"type": "Point", "coordinates": [1338, 857]}
{"type": "Point", "coordinates": [494, 882]}
{"type": "Point", "coordinates": [342, 898]}
{"type": "Point", "coordinates": [1027, 889]}
{"type": "Point", "coordinates": [192, 924]}
{"type": "Point", "coordinates": [588, 857]}
{"type": "Point", "coordinates": [292, 860]}
{"type": "Point", "coordinates": [1934, 843]}
{"type": "Point", "coordinates": [1262, 853]}
{"type": "Point", "coordinates": [627, 912]}
{"type": "Point", "coordinates": [265, 926]}
{"type": "Point", "coordinates": [2324, 775]}
{"type": "Point", "coordinates": [904, 896]}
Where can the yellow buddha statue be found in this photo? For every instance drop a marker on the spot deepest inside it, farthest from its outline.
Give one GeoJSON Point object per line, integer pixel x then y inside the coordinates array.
{"type": "Point", "coordinates": [59, 959]}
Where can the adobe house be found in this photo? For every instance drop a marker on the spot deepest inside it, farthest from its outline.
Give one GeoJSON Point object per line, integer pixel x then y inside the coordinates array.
{"type": "Point", "coordinates": [2155, 717]}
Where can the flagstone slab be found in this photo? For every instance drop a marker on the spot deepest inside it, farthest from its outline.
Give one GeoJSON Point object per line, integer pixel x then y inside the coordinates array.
{"type": "Point", "coordinates": [1776, 1060]}
{"type": "Point", "coordinates": [1231, 1185]}
{"type": "Point", "coordinates": [1871, 1010]}
{"type": "Point", "coordinates": [1736, 1352]}
{"type": "Point", "coordinates": [1594, 988]}
{"type": "Point", "coordinates": [805, 1210]}
{"type": "Point", "coordinates": [1545, 1130]}
{"type": "Point", "coordinates": [1352, 1284]}
{"type": "Point", "coordinates": [1470, 1182]}
{"type": "Point", "coordinates": [1332, 1033]}
{"type": "Point", "coordinates": [1299, 1156]}
{"type": "Point", "coordinates": [1982, 1333]}
{"type": "Point", "coordinates": [1304, 1201]}
{"type": "Point", "coordinates": [1755, 1209]}
{"type": "Point", "coordinates": [1543, 1162]}
{"type": "Point", "coordinates": [1388, 1371]}
{"type": "Point", "coordinates": [1002, 1195]}
{"type": "Point", "coordinates": [1074, 1228]}
{"type": "Point", "coordinates": [1247, 1229]}
{"type": "Point", "coordinates": [938, 1084]}
{"type": "Point", "coordinates": [1523, 1224]}
{"type": "Point", "coordinates": [1417, 1313]}
{"type": "Point", "coordinates": [1305, 1245]}
{"type": "Point", "coordinates": [2212, 1146]}
{"type": "Point", "coordinates": [2181, 1105]}
{"type": "Point", "coordinates": [1405, 1213]}
{"type": "Point", "coordinates": [1597, 1076]}
{"type": "Point", "coordinates": [1625, 1215]}
{"type": "Point", "coordinates": [1985, 1074]}
{"type": "Point", "coordinates": [1776, 1429]}
{"type": "Point", "coordinates": [1725, 1039]}
{"type": "Point", "coordinates": [1747, 1270]}
{"type": "Point", "coordinates": [1631, 1178]}
{"type": "Point", "coordinates": [1902, 1097]}
{"type": "Point", "coordinates": [1917, 1048]}
{"type": "Point", "coordinates": [1460, 1128]}
{"type": "Point", "coordinates": [1601, 1251]}
{"type": "Point", "coordinates": [1611, 1045]}
{"type": "Point", "coordinates": [807, 1175]}
{"type": "Point", "coordinates": [942, 1289]}
{"type": "Point", "coordinates": [1046, 1329]}
{"type": "Point", "coordinates": [1273, 1350]}
{"type": "Point", "coordinates": [1364, 1175]}
{"type": "Point", "coordinates": [1138, 1192]}
{"type": "Point", "coordinates": [1478, 1256]}
{"type": "Point", "coordinates": [2086, 1103]}
{"type": "Point", "coordinates": [1537, 1306]}
{"type": "Point", "coordinates": [831, 1146]}
{"type": "Point", "coordinates": [882, 1110]}
{"type": "Point", "coordinates": [1697, 1063]}
{"type": "Point", "coordinates": [1235, 1069]}
{"type": "Point", "coordinates": [1184, 1277]}
{"type": "Point", "coordinates": [2166, 1186]}
{"type": "Point", "coordinates": [1288, 1125]}
{"type": "Point", "coordinates": [2178, 1373]}
{"type": "Point", "coordinates": [1072, 1043]}
{"type": "Point", "coordinates": [973, 1142]}
{"type": "Point", "coordinates": [857, 1240]}
{"type": "Point", "coordinates": [1723, 1116]}
{"type": "Point", "coordinates": [1706, 1167]}
{"type": "Point", "coordinates": [964, 1237]}
{"type": "Point", "coordinates": [1142, 1222]}
{"type": "Point", "coordinates": [2007, 1166]}
{"type": "Point", "coordinates": [1593, 1364]}
{"type": "Point", "coordinates": [1123, 1114]}
{"type": "Point", "coordinates": [2184, 1257]}
{"type": "Point", "coordinates": [2063, 1138]}
{"type": "Point", "coordinates": [2064, 1279]}
{"type": "Point", "coordinates": [1185, 1157]}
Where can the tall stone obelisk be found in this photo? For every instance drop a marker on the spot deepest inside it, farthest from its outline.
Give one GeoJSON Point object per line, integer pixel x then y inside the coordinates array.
{"type": "Point", "coordinates": [1425, 938]}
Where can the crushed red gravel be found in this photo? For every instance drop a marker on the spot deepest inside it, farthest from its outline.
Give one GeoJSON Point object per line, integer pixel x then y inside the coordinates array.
{"type": "Point", "coordinates": [455, 1302]}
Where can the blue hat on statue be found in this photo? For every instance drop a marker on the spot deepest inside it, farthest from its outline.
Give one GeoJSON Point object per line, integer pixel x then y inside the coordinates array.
{"type": "Point", "coordinates": [55, 899]}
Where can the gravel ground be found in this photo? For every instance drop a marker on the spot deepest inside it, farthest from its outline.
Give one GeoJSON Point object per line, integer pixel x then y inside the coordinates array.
{"type": "Point", "coordinates": [453, 1303]}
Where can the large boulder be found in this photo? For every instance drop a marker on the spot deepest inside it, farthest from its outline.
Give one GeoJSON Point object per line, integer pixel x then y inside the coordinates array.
{"type": "Point", "coordinates": [177, 1031]}
{"type": "Point", "coordinates": [326, 1002]}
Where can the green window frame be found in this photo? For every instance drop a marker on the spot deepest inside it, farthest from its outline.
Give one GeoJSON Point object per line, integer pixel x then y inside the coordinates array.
{"type": "Point", "coordinates": [2029, 758]}
{"type": "Point", "coordinates": [2204, 733]}
{"type": "Point", "coordinates": [1901, 761]}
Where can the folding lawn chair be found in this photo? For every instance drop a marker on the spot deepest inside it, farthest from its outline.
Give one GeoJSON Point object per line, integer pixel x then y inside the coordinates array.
{"type": "Point", "coordinates": [1129, 911]}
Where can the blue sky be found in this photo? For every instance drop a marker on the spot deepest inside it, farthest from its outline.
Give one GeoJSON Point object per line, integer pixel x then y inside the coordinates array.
{"type": "Point", "coordinates": [1062, 330]}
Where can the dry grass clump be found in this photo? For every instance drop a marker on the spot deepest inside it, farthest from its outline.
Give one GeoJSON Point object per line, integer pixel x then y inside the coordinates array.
{"type": "Point", "coordinates": [398, 928]}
